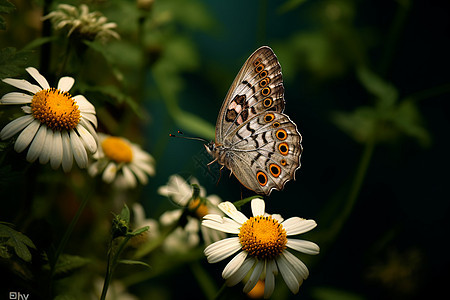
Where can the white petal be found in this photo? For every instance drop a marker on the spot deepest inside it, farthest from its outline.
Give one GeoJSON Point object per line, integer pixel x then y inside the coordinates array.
{"type": "Point", "coordinates": [225, 225]}
{"type": "Point", "coordinates": [38, 77]}
{"type": "Point", "coordinates": [277, 217]}
{"type": "Point", "coordinates": [110, 173]}
{"type": "Point", "coordinates": [258, 207]}
{"type": "Point", "coordinates": [90, 128]}
{"type": "Point", "coordinates": [253, 280]}
{"type": "Point", "coordinates": [306, 247]}
{"type": "Point", "coordinates": [90, 117]}
{"type": "Point", "coordinates": [213, 217]}
{"type": "Point", "coordinates": [298, 225]}
{"type": "Point", "coordinates": [38, 143]}
{"type": "Point", "coordinates": [288, 276]}
{"type": "Point", "coordinates": [27, 109]}
{"type": "Point", "coordinates": [241, 272]}
{"type": "Point", "coordinates": [139, 173]}
{"type": "Point", "coordinates": [222, 249]}
{"type": "Point", "coordinates": [56, 150]}
{"type": "Point", "coordinates": [15, 126]}
{"type": "Point", "coordinates": [269, 281]}
{"type": "Point", "coordinates": [84, 105]}
{"type": "Point", "coordinates": [16, 98]}
{"type": "Point", "coordinates": [88, 140]}
{"type": "Point", "coordinates": [146, 167]}
{"type": "Point", "coordinates": [230, 210]}
{"type": "Point", "coordinates": [67, 158]}
{"type": "Point", "coordinates": [26, 136]}
{"type": "Point", "coordinates": [296, 265]}
{"type": "Point", "coordinates": [22, 84]}
{"type": "Point", "coordinates": [234, 264]}
{"type": "Point", "coordinates": [65, 83]}
{"type": "Point", "coordinates": [129, 177]}
{"type": "Point", "coordinates": [47, 147]}
{"type": "Point", "coordinates": [78, 150]}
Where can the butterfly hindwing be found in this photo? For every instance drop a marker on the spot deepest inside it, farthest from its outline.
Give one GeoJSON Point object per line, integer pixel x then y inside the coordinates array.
{"type": "Point", "coordinates": [265, 152]}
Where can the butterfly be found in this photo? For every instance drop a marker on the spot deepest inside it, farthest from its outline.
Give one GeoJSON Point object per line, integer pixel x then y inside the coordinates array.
{"type": "Point", "coordinates": [254, 139]}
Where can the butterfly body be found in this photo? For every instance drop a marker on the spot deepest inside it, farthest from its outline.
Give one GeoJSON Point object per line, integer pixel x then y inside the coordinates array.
{"type": "Point", "coordinates": [254, 138]}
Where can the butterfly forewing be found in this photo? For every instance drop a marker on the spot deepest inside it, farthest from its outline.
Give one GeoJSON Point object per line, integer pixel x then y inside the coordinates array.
{"type": "Point", "coordinates": [257, 87]}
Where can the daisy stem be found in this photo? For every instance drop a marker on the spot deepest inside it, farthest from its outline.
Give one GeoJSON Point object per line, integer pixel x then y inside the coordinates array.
{"type": "Point", "coordinates": [112, 263]}
{"type": "Point", "coordinates": [221, 291]}
{"type": "Point", "coordinates": [68, 232]}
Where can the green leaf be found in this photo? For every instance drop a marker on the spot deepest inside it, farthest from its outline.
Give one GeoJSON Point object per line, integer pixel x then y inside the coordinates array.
{"type": "Point", "coordinates": [16, 240]}
{"type": "Point", "coordinates": [67, 263]}
{"type": "Point", "coordinates": [193, 123]}
{"type": "Point", "coordinates": [328, 293]}
{"type": "Point", "coordinates": [360, 124]}
{"type": "Point", "coordinates": [125, 214]}
{"type": "Point", "coordinates": [134, 262]}
{"type": "Point", "coordinates": [6, 7]}
{"type": "Point", "coordinates": [39, 42]}
{"type": "Point", "coordinates": [385, 92]}
{"type": "Point", "coordinates": [240, 203]}
{"type": "Point", "coordinates": [139, 231]}
{"type": "Point", "coordinates": [290, 5]}
{"type": "Point", "coordinates": [12, 62]}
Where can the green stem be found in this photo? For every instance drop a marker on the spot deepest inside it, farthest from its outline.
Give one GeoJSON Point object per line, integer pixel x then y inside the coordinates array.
{"type": "Point", "coordinates": [68, 232]}
{"type": "Point", "coordinates": [355, 187]}
{"type": "Point", "coordinates": [221, 291]}
{"type": "Point", "coordinates": [112, 264]}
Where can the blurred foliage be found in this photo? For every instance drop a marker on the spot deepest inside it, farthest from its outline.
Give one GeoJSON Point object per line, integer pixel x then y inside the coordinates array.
{"type": "Point", "coordinates": [365, 81]}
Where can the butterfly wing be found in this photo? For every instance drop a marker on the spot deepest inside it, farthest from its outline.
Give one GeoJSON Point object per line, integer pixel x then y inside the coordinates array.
{"type": "Point", "coordinates": [258, 87]}
{"type": "Point", "coordinates": [264, 152]}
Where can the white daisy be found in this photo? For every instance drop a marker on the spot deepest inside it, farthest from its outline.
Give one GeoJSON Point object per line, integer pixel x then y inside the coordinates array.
{"type": "Point", "coordinates": [262, 242]}
{"type": "Point", "coordinates": [180, 192]}
{"type": "Point", "coordinates": [57, 126]}
{"type": "Point", "coordinates": [121, 162]}
{"type": "Point", "coordinates": [88, 25]}
{"type": "Point", "coordinates": [140, 221]}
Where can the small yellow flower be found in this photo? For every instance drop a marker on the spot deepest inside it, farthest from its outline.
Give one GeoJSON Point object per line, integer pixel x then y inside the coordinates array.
{"type": "Point", "coordinates": [121, 162]}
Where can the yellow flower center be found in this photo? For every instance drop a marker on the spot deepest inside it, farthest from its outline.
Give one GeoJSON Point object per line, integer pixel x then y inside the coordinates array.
{"type": "Point", "coordinates": [200, 208]}
{"type": "Point", "coordinates": [117, 149]}
{"type": "Point", "coordinates": [56, 109]}
{"type": "Point", "coordinates": [263, 237]}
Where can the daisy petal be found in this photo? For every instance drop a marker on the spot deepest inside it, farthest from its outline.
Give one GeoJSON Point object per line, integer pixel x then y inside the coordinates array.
{"type": "Point", "coordinates": [239, 275]}
{"type": "Point", "coordinates": [306, 247]}
{"type": "Point", "coordinates": [38, 77]}
{"type": "Point", "coordinates": [15, 126]}
{"type": "Point", "coordinates": [225, 225]}
{"type": "Point", "coordinates": [78, 150]}
{"type": "Point", "coordinates": [65, 83]}
{"type": "Point", "coordinates": [130, 179]}
{"type": "Point", "coordinates": [288, 276]}
{"type": "Point", "coordinates": [222, 249]}
{"type": "Point", "coordinates": [139, 173]}
{"type": "Point", "coordinates": [38, 143]}
{"type": "Point", "coordinates": [297, 267]}
{"type": "Point", "coordinates": [110, 172]}
{"type": "Point", "coordinates": [56, 150]}
{"type": "Point", "coordinates": [26, 136]}
{"type": "Point", "coordinates": [298, 225]}
{"type": "Point", "coordinates": [88, 140]}
{"type": "Point", "coordinates": [213, 217]}
{"type": "Point", "coordinates": [16, 98]}
{"type": "Point", "coordinates": [22, 84]}
{"type": "Point", "coordinates": [84, 105]}
{"type": "Point", "coordinates": [230, 210]}
{"type": "Point", "coordinates": [269, 281]}
{"type": "Point", "coordinates": [234, 264]}
{"type": "Point", "coordinates": [67, 156]}
{"type": "Point", "coordinates": [47, 147]}
{"type": "Point", "coordinates": [254, 277]}
{"type": "Point", "coordinates": [258, 207]}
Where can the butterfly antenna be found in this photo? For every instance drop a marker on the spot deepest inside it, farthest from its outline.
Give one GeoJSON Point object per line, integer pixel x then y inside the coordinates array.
{"type": "Point", "coordinates": [188, 137]}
